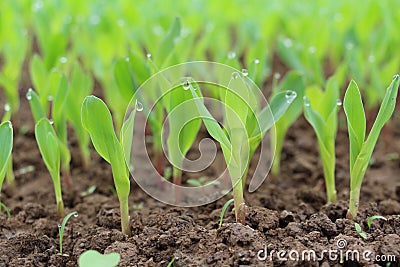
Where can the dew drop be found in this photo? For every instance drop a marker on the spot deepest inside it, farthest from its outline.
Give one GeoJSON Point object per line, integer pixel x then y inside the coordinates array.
{"type": "Point", "coordinates": [256, 61]}
{"type": "Point", "coordinates": [349, 46]}
{"type": "Point", "coordinates": [49, 98]}
{"type": "Point", "coordinates": [277, 76]}
{"type": "Point", "coordinates": [287, 42]}
{"type": "Point", "coordinates": [339, 102]}
{"type": "Point", "coordinates": [245, 72]}
{"type": "Point", "coordinates": [371, 58]}
{"type": "Point", "coordinates": [186, 85]}
{"type": "Point", "coordinates": [396, 76]}
{"type": "Point", "coordinates": [7, 107]}
{"type": "Point", "coordinates": [231, 55]}
{"type": "Point", "coordinates": [148, 55]}
{"type": "Point", "coordinates": [76, 215]}
{"type": "Point", "coordinates": [29, 94]}
{"type": "Point", "coordinates": [127, 59]}
{"type": "Point", "coordinates": [59, 226]}
{"type": "Point", "coordinates": [290, 96]}
{"type": "Point", "coordinates": [63, 60]}
{"type": "Point", "coordinates": [139, 106]}
{"type": "Point", "coordinates": [51, 121]}
{"type": "Point", "coordinates": [121, 22]}
{"type": "Point", "coordinates": [306, 101]}
{"type": "Point", "coordinates": [235, 75]}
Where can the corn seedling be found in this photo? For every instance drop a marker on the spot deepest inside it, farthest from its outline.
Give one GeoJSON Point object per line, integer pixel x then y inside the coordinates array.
{"type": "Point", "coordinates": [360, 149]}
{"type": "Point", "coordinates": [6, 143]}
{"type": "Point", "coordinates": [292, 81]}
{"type": "Point", "coordinates": [80, 86]}
{"type": "Point", "coordinates": [360, 230]}
{"type": "Point", "coordinates": [223, 211]}
{"type": "Point", "coordinates": [58, 119]}
{"type": "Point", "coordinates": [97, 120]}
{"type": "Point", "coordinates": [320, 110]}
{"type": "Point", "coordinates": [245, 128]}
{"type": "Point", "coordinates": [375, 217]}
{"type": "Point", "coordinates": [61, 229]}
{"type": "Point", "coordinates": [49, 147]}
{"type": "Point", "coordinates": [10, 178]}
{"type": "Point", "coordinates": [93, 258]}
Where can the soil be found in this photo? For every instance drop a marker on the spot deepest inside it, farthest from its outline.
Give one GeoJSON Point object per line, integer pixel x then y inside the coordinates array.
{"type": "Point", "coordinates": [288, 212]}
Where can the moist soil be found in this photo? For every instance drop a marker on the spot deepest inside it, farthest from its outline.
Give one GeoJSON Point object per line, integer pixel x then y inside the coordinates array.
{"type": "Point", "coordinates": [287, 213]}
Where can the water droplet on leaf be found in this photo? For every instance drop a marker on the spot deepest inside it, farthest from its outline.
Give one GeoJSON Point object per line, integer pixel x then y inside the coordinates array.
{"type": "Point", "coordinates": [277, 76]}
{"type": "Point", "coordinates": [7, 107]}
{"type": "Point", "coordinates": [49, 98]}
{"type": "Point", "coordinates": [245, 72]}
{"type": "Point", "coordinates": [186, 85]}
{"type": "Point", "coordinates": [395, 76]}
{"type": "Point", "coordinates": [51, 122]}
{"type": "Point", "coordinates": [339, 102]}
{"type": "Point", "coordinates": [231, 55]}
{"type": "Point", "coordinates": [235, 75]}
{"type": "Point", "coordinates": [127, 59]}
{"type": "Point", "coordinates": [148, 55]}
{"type": "Point", "coordinates": [306, 101]}
{"type": "Point", "coordinates": [139, 106]}
{"type": "Point", "coordinates": [63, 60]}
{"type": "Point", "coordinates": [256, 61]}
{"type": "Point", "coordinates": [290, 96]}
{"type": "Point", "coordinates": [76, 215]}
{"type": "Point", "coordinates": [29, 94]}
{"type": "Point", "coordinates": [59, 226]}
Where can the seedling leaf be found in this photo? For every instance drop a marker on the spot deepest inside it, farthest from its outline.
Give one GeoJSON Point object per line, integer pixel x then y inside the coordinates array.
{"type": "Point", "coordinates": [92, 258]}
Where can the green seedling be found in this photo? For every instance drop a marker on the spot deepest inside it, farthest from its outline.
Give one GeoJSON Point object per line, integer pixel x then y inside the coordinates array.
{"type": "Point", "coordinates": [223, 211]}
{"type": "Point", "coordinates": [184, 125]}
{"type": "Point", "coordinates": [49, 147]}
{"type": "Point", "coordinates": [80, 86]}
{"type": "Point", "coordinates": [92, 258]}
{"type": "Point", "coordinates": [320, 110]}
{"type": "Point", "coordinates": [58, 119]}
{"type": "Point", "coordinates": [90, 190]}
{"type": "Point", "coordinates": [10, 178]}
{"type": "Point", "coordinates": [61, 229]}
{"type": "Point", "coordinates": [375, 217]}
{"type": "Point", "coordinates": [6, 143]}
{"type": "Point", "coordinates": [360, 231]}
{"type": "Point", "coordinates": [292, 81]}
{"type": "Point", "coordinates": [360, 149]}
{"type": "Point", "coordinates": [97, 120]}
{"type": "Point", "coordinates": [171, 263]}
{"type": "Point", "coordinates": [245, 128]}
{"type": "Point", "coordinates": [6, 209]}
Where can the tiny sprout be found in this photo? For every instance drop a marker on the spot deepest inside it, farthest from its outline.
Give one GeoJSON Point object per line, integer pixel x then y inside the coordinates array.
{"type": "Point", "coordinates": [61, 228]}
{"type": "Point", "coordinates": [224, 208]}
{"type": "Point", "coordinates": [375, 217]}
{"type": "Point", "coordinates": [360, 231]}
{"type": "Point", "coordinates": [6, 209]}
{"type": "Point", "coordinates": [90, 190]}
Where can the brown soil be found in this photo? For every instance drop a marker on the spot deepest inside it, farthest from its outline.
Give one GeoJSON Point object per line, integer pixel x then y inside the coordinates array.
{"type": "Point", "coordinates": [286, 213]}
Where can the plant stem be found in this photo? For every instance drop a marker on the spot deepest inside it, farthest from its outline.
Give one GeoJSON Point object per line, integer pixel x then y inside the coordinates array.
{"type": "Point", "coordinates": [277, 147]}
{"type": "Point", "coordinates": [240, 211]}
{"type": "Point", "coordinates": [10, 174]}
{"type": "Point", "coordinates": [353, 204]}
{"type": "Point", "coordinates": [124, 209]}
{"type": "Point", "coordinates": [67, 175]}
{"type": "Point", "coordinates": [58, 192]}
{"type": "Point", "coordinates": [329, 174]}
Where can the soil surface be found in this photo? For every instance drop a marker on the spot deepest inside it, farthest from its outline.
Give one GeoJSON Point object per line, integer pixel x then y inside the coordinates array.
{"type": "Point", "coordinates": [287, 213]}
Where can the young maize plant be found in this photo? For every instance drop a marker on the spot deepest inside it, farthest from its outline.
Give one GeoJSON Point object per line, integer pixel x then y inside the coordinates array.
{"type": "Point", "coordinates": [97, 120]}
{"type": "Point", "coordinates": [10, 178]}
{"type": "Point", "coordinates": [58, 118]}
{"type": "Point", "coordinates": [361, 149]}
{"type": "Point", "coordinates": [49, 147]}
{"type": "Point", "coordinates": [292, 81]}
{"type": "Point", "coordinates": [320, 110]}
{"type": "Point", "coordinates": [6, 143]}
{"type": "Point", "coordinates": [80, 86]}
{"type": "Point", "coordinates": [245, 127]}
